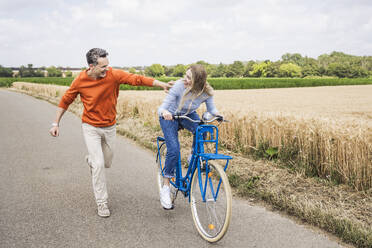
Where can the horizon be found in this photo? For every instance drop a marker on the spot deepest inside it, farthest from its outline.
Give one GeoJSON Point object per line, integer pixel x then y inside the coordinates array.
{"type": "Point", "coordinates": [144, 66]}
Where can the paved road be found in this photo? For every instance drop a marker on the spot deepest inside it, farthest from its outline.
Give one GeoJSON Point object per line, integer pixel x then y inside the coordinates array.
{"type": "Point", "coordinates": [47, 198]}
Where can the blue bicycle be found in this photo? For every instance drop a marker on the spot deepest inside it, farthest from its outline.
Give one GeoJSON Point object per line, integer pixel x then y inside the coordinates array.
{"type": "Point", "coordinates": [205, 183]}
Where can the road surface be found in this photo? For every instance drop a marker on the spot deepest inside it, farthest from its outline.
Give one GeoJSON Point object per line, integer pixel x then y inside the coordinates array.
{"type": "Point", "coordinates": [47, 197]}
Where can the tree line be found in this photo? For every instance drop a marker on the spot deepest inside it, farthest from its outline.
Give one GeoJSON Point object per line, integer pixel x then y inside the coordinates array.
{"type": "Point", "coordinates": [336, 64]}
{"type": "Point", "coordinates": [293, 65]}
{"type": "Point", "coordinates": [30, 71]}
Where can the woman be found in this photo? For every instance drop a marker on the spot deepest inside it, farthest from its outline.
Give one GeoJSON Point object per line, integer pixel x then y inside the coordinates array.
{"type": "Point", "coordinates": [183, 99]}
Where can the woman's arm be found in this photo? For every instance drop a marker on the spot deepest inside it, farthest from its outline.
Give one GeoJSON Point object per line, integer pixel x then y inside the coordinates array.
{"type": "Point", "coordinates": [171, 98]}
{"type": "Point", "coordinates": [211, 108]}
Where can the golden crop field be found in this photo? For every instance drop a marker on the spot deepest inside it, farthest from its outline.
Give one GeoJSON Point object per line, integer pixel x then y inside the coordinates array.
{"type": "Point", "coordinates": [344, 103]}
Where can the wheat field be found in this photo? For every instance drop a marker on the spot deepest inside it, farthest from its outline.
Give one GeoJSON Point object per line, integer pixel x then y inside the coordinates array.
{"type": "Point", "coordinates": [325, 131]}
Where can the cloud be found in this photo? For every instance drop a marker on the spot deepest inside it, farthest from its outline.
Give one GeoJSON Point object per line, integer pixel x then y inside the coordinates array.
{"type": "Point", "coordinates": [169, 32]}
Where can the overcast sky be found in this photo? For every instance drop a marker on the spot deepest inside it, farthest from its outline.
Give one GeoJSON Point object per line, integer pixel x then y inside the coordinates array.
{"type": "Point", "coordinates": [143, 32]}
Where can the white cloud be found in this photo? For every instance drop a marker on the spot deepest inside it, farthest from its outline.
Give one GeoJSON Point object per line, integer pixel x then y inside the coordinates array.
{"type": "Point", "coordinates": [169, 32]}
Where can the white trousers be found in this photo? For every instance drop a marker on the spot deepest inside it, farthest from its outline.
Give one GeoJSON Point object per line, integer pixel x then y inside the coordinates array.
{"type": "Point", "coordinates": [100, 142]}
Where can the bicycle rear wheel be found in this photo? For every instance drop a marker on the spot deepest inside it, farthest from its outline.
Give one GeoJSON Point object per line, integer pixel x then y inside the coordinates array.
{"type": "Point", "coordinates": [159, 174]}
{"type": "Point", "coordinates": [212, 214]}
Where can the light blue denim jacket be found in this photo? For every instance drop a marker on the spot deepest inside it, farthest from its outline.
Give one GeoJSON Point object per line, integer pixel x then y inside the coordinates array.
{"type": "Point", "coordinates": [173, 98]}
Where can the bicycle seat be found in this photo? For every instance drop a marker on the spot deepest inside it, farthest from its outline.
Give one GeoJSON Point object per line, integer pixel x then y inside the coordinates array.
{"type": "Point", "coordinates": [212, 156]}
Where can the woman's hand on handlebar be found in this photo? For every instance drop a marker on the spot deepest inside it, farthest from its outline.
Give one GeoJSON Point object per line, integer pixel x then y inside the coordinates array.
{"type": "Point", "coordinates": [219, 117]}
{"type": "Point", "coordinates": [167, 115]}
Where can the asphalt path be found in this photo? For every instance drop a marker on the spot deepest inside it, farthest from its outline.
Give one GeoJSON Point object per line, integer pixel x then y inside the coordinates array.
{"type": "Point", "coordinates": [47, 198]}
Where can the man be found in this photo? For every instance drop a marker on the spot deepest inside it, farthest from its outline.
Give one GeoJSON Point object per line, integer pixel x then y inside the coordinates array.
{"type": "Point", "coordinates": [98, 87]}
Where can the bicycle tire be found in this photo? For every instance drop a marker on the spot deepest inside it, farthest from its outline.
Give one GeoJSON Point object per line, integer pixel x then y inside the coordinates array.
{"type": "Point", "coordinates": [211, 223]}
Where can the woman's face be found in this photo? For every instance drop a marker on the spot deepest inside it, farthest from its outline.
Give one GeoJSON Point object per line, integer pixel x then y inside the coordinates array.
{"type": "Point", "coordinates": [188, 78]}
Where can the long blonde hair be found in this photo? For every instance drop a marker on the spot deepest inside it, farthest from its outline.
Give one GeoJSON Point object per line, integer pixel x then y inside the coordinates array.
{"type": "Point", "coordinates": [199, 85]}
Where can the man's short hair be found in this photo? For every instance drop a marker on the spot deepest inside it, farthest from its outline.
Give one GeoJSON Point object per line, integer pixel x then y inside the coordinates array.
{"type": "Point", "coordinates": [95, 53]}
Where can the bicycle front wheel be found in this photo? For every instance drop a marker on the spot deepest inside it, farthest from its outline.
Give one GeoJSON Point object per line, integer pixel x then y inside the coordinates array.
{"type": "Point", "coordinates": [210, 196]}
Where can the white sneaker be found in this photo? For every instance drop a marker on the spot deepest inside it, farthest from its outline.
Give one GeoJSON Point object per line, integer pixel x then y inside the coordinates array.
{"type": "Point", "coordinates": [165, 198]}
{"type": "Point", "coordinates": [89, 164]}
{"type": "Point", "coordinates": [103, 210]}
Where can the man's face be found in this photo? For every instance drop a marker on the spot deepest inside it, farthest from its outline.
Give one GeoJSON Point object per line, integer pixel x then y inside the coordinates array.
{"type": "Point", "coordinates": [101, 68]}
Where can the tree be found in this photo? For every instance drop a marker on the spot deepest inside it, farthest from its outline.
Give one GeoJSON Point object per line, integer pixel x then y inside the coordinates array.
{"type": "Point", "coordinates": [54, 72]}
{"type": "Point", "coordinates": [132, 70]}
{"type": "Point", "coordinates": [168, 70]}
{"type": "Point", "coordinates": [248, 68]}
{"type": "Point", "coordinates": [290, 70]}
{"type": "Point", "coordinates": [338, 70]}
{"type": "Point", "coordinates": [272, 69]}
{"type": "Point", "coordinates": [29, 71]}
{"type": "Point", "coordinates": [219, 71]}
{"type": "Point", "coordinates": [259, 69]}
{"type": "Point", "coordinates": [179, 70]}
{"type": "Point", "coordinates": [229, 72]}
{"type": "Point", "coordinates": [357, 72]}
{"type": "Point", "coordinates": [155, 70]}
{"type": "Point", "coordinates": [294, 58]}
{"type": "Point", "coordinates": [211, 69]}
{"type": "Point", "coordinates": [203, 63]}
{"type": "Point", "coordinates": [5, 72]}
{"type": "Point", "coordinates": [39, 73]}
{"type": "Point", "coordinates": [68, 73]}
{"type": "Point", "coordinates": [236, 69]}
{"type": "Point", "coordinates": [309, 70]}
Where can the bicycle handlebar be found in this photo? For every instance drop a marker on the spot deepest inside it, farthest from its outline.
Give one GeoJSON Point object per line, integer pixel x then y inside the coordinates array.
{"type": "Point", "coordinates": [216, 118]}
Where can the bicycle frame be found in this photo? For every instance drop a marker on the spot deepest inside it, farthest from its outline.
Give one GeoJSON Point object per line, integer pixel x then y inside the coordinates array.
{"type": "Point", "coordinates": [183, 184]}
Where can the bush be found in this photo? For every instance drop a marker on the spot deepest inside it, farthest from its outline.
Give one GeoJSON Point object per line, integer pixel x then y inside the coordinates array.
{"type": "Point", "coordinates": [5, 72]}
{"type": "Point", "coordinates": [68, 73]}
{"type": "Point", "coordinates": [54, 72]}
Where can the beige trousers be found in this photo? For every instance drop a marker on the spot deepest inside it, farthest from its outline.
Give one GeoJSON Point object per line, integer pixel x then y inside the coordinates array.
{"type": "Point", "coordinates": [100, 142]}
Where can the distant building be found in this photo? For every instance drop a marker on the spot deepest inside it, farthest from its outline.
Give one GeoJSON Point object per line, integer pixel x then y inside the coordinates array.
{"type": "Point", "coordinates": [75, 71]}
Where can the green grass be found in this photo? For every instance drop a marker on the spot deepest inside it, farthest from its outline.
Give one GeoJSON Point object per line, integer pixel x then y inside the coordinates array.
{"type": "Point", "coordinates": [260, 83]}
{"type": "Point", "coordinates": [218, 83]}
{"type": "Point", "coordinates": [6, 82]}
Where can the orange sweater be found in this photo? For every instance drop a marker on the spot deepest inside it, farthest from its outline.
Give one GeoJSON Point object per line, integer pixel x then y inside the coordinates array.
{"type": "Point", "coordinates": [99, 97]}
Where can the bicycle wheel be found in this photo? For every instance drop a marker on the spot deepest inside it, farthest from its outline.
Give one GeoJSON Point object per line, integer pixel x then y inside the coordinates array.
{"type": "Point", "coordinates": [160, 168]}
{"type": "Point", "coordinates": [212, 215]}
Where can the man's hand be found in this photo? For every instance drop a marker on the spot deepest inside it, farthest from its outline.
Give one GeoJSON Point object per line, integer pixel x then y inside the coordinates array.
{"type": "Point", "coordinates": [167, 115]}
{"type": "Point", "coordinates": [165, 86]}
{"type": "Point", "coordinates": [54, 131]}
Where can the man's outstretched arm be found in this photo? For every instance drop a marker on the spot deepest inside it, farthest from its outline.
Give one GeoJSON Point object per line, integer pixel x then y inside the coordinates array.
{"type": "Point", "coordinates": [54, 131]}
{"type": "Point", "coordinates": [124, 77]}
{"type": "Point", "coordinates": [165, 86]}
